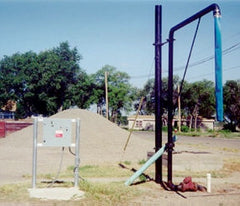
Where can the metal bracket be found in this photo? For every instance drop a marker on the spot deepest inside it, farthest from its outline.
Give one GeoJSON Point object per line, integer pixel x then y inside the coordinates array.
{"type": "Point", "coordinates": [160, 44]}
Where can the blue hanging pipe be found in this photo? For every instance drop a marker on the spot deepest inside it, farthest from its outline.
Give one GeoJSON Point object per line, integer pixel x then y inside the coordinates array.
{"type": "Point", "coordinates": [218, 67]}
{"type": "Point", "coordinates": [218, 92]}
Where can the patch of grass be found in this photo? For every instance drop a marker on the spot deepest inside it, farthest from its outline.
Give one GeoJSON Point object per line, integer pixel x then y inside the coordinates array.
{"type": "Point", "coordinates": [14, 192]}
{"type": "Point", "coordinates": [195, 134]}
{"type": "Point", "coordinates": [127, 162]}
{"type": "Point", "coordinates": [191, 134]}
{"type": "Point", "coordinates": [228, 134]}
{"type": "Point", "coordinates": [202, 174]}
{"type": "Point", "coordinates": [229, 166]}
{"type": "Point", "coordinates": [185, 131]}
{"type": "Point", "coordinates": [91, 171]}
{"type": "Point", "coordinates": [233, 150]}
{"type": "Point", "coordinates": [232, 165]}
{"type": "Point", "coordinates": [210, 133]}
{"type": "Point", "coordinates": [87, 171]}
{"type": "Point", "coordinates": [223, 134]}
{"type": "Point", "coordinates": [164, 129]}
{"type": "Point", "coordinates": [184, 128]}
{"type": "Point", "coordinates": [103, 171]}
{"type": "Point", "coordinates": [95, 194]}
{"type": "Point", "coordinates": [108, 194]}
{"type": "Point", "coordinates": [141, 162]}
{"type": "Point", "coordinates": [218, 174]}
{"type": "Point", "coordinates": [46, 176]}
{"type": "Point", "coordinates": [142, 178]}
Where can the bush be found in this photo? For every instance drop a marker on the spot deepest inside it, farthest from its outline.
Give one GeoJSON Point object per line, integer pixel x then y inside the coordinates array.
{"type": "Point", "coordinates": [164, 128]}
{"type": "Point", "coordinates": [185, 128]}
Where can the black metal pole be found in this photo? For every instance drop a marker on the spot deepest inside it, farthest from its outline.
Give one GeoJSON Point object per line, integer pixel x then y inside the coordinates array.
{"type": "Point", "coordinates": [158, 90]}
{"type": "Point", "coordinates": [170, 110]}
{"type": "Point", "coordinates": [215, 8]}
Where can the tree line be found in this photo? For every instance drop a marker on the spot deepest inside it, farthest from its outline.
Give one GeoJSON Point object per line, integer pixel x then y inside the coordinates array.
{"type": "Point", "coordinates": [53, 80]}
{"type": "Point", "coordinates": [197, 99]}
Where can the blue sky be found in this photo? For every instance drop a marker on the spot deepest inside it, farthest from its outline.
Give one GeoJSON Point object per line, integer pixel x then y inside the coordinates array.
{"type": "Point", "coordinates": [121, 34]}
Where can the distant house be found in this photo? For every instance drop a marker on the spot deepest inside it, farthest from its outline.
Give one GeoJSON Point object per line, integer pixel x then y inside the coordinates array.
{"type": "Point", "coordinates": [143, 122]}
{"type": "Point", "coordinates": [8, 111]}
{"type": "Point", "coordinates": [147, 122]}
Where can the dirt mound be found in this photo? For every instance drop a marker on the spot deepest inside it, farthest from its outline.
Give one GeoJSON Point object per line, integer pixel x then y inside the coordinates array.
{"type": "Point", "coordinates": [101, 142]}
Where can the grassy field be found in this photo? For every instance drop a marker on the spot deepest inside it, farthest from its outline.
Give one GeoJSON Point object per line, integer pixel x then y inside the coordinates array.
{"type": "Point", "coordinates": [211, 133]}
{"type": "Point", "coordinates": [103, 185]}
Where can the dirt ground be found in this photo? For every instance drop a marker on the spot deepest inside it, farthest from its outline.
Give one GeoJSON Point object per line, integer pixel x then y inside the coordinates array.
{"type": "Point", "coordinates": [204, 155]}
{"type": "Point", "coordinates": [102, 142]}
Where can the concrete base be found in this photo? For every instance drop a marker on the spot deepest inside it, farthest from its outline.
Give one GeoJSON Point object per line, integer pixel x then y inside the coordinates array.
{"type": "Point", "coordinates": [57, 193]}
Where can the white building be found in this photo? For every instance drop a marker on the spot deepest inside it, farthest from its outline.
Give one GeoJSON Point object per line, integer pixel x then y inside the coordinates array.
{"type": "Point", "coordinates": [147, 122]}
{"type": "Point", "coordinates": [143, 122]}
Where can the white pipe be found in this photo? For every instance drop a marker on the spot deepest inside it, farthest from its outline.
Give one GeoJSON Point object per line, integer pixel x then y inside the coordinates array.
{"type": "Point", "coordinates": [208, 182]}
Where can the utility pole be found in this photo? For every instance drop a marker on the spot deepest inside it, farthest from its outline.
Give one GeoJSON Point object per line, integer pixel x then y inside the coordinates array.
{"type": "Point", "coordinates": [179, 110]}
{"type": "Point", "coordinates": [106, 92]}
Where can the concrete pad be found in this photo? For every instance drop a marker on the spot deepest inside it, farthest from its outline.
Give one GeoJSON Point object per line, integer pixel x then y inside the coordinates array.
{"type": "Point", "coordinates": [57, 193]}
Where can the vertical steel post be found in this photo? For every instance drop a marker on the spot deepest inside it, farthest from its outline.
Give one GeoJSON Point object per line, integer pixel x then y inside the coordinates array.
{"type": "Point", "coordinates": [34, 158]}
{"type": "Point", "coordinates": [170, 108]}
{"type": "Point", "coordinates": [158, 90]}
{"type": "Point", "coordinates": [77, 159]}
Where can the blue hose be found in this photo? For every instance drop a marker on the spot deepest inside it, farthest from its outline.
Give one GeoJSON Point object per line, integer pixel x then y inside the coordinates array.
{"type": "Point", "coordinates": [218, 69]}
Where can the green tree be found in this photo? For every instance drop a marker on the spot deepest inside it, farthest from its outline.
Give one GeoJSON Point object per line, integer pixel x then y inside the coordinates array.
{"type": "Point", "coordinates": [120, 92]}
{"type": "Point", "coordinates": [231, 91]}
{"type": "Point", "coordinates": [148, 92]}
{"type": "Point", "coordinates": [43, 83]}
{"type": "Point", "coordinates": [80, 94]}
{"type": "Point", "coordinates": [15, 73]}
{"type": "Point", "coordinates": [198, 97]}
{"type": "Point", "coordinates": [59, 68]}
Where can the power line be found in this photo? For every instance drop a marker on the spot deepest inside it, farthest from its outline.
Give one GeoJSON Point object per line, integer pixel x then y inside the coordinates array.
{"type": "Point", "coordinates": [206, 59]}
{"type": "Point", "coordinates": [231, 68]}
{"type": "Point", "coordinates": [201, 61]}
{"type": "Point", "coordinates": [211, 73]}
{"type": "Point", "coordinates": [145, 76]}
